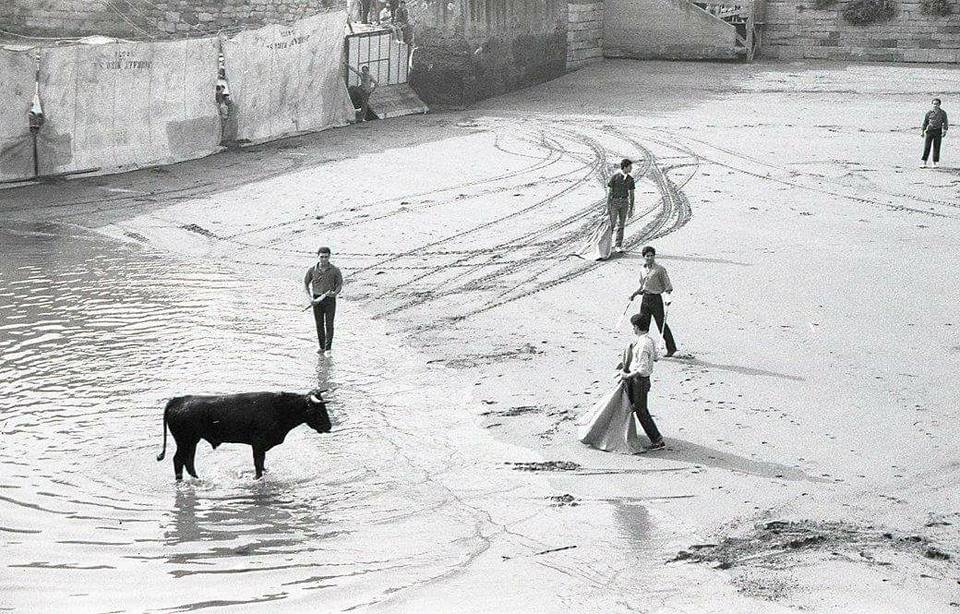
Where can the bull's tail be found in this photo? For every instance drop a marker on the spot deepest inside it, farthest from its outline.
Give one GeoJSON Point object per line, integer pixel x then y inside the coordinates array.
{"type": "Point", "coordinates": [163, 452]}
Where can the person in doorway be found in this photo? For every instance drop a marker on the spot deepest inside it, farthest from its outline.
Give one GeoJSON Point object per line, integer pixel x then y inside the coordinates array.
{"type": "Point", "coordinates": [933, 130]}
{"type": "Point", "coordinates": [323, 283]}
{"type": "Point", "coordinates": [654, 282]}
{"type": "Point", "coordinates": [620, 201]}
{"type": "Point", "coordinates": [368, 84]}
{"type": "Point", "coordinates": [635, 374]}
{"type": "Point", "coordinates": [222, 102]}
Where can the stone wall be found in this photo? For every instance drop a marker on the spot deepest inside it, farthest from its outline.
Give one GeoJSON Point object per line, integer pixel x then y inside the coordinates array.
{"type": "Point", "coordinates": [157, 19]}
{"type": "Point", "coordinates": [795, 29]}
{"type": "Point", "coordinates": [474, 49]}
{"type": "Point", "coordinates": [665, 29]}
{"type": "Point", "coordinates": [584, 32]}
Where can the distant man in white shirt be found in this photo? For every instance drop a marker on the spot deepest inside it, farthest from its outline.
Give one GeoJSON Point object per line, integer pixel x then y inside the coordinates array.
{"type": "Point", "coordinates": [635, 372]}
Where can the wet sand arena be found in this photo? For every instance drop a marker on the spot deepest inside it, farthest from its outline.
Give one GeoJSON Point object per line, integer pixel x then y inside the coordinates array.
{"type": "Point", "coordinates": [810, 418]}
{"type": "Point", "coordinates": [97, 335]}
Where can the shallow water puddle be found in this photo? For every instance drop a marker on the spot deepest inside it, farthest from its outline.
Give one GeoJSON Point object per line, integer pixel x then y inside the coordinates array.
{"type": "Point", "coordinates": [96, 335]}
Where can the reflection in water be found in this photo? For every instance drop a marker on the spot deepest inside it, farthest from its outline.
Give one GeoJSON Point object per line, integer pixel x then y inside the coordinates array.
{"type": "Point", "coordinates": [95, 337]}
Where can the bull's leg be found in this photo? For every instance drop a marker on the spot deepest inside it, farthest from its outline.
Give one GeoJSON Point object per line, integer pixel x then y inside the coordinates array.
{"type": "Point", "coordinates": [259, 454]}
{"type": "Point", "coordinates": [188, 456]}
{"type": "Point", "coordinates": [178, 462]}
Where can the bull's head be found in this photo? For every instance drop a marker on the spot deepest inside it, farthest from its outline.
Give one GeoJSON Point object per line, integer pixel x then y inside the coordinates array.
{"type": "Point", "coordinates": [317, 417]}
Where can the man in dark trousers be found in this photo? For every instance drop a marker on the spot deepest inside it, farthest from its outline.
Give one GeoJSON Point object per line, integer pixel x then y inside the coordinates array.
{"type": "Point", "coordinates": [361, 93]}
{"type": "Point", "coordinates": [635, 373]}
{"type": "Point", "coordinates": [654, 282]}
{"type": "Point", "coordinates": [323, 283]}
{"type": "Point", "coordinates": [933, 130]}
{"type": "Point", "coordinates": [401, 19]}
{"type": "Point", "coordinates": [620, 201]}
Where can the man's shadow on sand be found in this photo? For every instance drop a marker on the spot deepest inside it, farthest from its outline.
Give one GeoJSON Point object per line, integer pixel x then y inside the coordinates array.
{"type": "Point", "coordinates": [632, 255]}
{"type": "Point", "coordinates": [695, 454]}
{"type": "Point", "coordinates": [685, 451]}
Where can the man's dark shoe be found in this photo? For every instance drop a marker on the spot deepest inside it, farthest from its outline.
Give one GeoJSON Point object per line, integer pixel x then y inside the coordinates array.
{"type": "Point", "coordinates": [656, 445]}
{"type": "Point", "coordinates": [670, 353]}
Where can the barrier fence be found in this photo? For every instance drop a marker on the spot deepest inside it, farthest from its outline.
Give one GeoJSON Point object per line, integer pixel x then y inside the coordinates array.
{"type": "Point", "coordinates": [18, 76]}
{"type": "Point", "coordinates": [117, 106]}
{"type": "Point", "coordinates": [285, 80]}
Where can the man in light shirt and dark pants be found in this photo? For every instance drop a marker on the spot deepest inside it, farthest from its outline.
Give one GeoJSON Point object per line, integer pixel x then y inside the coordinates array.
{"type": "Point", "coordinates": [635, 372]}
{"type": "Point", "coordinates": [654, 282]}
{"type": "Point", "coordinates": [323, 283]}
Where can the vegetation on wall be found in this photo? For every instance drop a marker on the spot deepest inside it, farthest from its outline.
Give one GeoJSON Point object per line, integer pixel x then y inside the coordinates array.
{"type": "Point", "coordinates": [865, 12]}
{"type": "Point", "coordinates": [938, 8]}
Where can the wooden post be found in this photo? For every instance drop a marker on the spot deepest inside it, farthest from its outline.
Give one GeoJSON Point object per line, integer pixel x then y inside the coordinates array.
{"type": "Point", "coordinates": [751, 21]}
{"type": "Point", "coordinates": [758, 12]}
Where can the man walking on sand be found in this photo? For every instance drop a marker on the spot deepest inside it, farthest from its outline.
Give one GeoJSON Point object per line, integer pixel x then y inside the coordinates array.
{"type": "Point", "coordinates": [323, 283]}
{"type": "Point", "coordinates": [933, 130]}
{"type": "Point", "coordinates": [654, 282]}
{"type": "Point", "coordinates": [620, 201]}
{"type": "Point", "coordinates": [635, 374]}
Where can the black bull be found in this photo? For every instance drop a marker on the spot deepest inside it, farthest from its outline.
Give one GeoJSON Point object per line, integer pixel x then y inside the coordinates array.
{"type": "Point", "coordinates": [260, 419]}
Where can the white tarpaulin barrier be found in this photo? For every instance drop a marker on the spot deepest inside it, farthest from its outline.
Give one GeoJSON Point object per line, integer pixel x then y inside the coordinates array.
{"type": "Point", "coordinates": [18, 71]}
{"type": "Point", "coordinates": [120, 106]}
{"type": "Point", "coordinates": [287, 79]}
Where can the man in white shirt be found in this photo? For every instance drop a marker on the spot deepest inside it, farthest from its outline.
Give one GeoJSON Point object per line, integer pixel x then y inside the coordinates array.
{"type": "Point", "coordinates": [636, 369]}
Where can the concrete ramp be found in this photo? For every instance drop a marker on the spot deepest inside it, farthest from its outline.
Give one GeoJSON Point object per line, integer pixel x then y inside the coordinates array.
{"type": "Point", "coordinates": [666, 30]}
{"type": "Point", "coordinates": [396, 100]}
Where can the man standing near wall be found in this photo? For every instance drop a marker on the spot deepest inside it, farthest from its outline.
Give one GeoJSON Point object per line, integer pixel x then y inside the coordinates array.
{"type": "Point", "coordinates": [933, 130]}
{"type": "Point", "coordinates": [363, 91]}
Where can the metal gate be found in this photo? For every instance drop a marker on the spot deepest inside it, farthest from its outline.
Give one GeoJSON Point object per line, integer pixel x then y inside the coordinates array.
{"type": "Point", "coordinates": [383, 51]}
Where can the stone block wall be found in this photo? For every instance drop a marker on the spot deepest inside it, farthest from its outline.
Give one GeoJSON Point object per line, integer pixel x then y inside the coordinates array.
{"type": "Point", "coordinates": [157, 19]}
{"type": "Point", "coordinates": [795, 29]}
{"type": "Point", "coordinates": [584, 32]}
{"type": "Point", "coordinates": [468, 50]}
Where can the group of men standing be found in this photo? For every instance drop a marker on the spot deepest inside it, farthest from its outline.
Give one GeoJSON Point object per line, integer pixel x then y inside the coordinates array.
{"type": "Point", "coordinates": [324, 281]}
{"type": "Point", "coordinates": [636, 367]}
{"type": "Point", "coordinates": [370, 11]}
